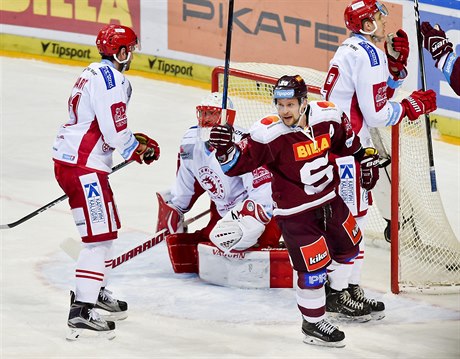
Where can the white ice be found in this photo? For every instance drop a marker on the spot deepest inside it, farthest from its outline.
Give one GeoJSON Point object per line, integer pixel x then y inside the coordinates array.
{"type": "Point", "coordinates": [170, 315]}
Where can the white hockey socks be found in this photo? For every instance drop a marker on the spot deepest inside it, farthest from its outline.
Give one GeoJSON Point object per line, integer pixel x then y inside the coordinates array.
{"type": "Point", "coordinates": [90, 271]}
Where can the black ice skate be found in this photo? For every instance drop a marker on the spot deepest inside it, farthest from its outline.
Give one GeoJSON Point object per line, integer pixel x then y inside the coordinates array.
{"type": "Point", "coordinates": [323, 333]}
{"type": "Point", "coordinates": [342, 306]}
{"type": "Point", "coordinates": [110, 307]}
{"type": "Point", "coordinates": [85, 321]}
{"type": "Point", "coordinates": [377, 308]}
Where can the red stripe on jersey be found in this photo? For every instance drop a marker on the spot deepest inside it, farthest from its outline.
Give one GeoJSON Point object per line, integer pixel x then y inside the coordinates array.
{"type": "Point", "coordinates": [88, 142]}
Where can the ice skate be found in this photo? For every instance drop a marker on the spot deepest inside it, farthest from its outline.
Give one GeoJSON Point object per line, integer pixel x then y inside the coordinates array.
{"type": "Point", "coordinates": [323, 333]}
{"type": "Point", "coordinates": [341, 306]}
{"type": "Point", "coordinates": [109, 307]}
{"type": "Point", "coordinates": [84, 321]}
{"type": "Point", "coordinates": [377, 308]}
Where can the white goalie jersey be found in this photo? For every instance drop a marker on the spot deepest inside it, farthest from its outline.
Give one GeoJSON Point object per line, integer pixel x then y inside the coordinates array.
{"type": "Point", "coordinates": [199, 166]}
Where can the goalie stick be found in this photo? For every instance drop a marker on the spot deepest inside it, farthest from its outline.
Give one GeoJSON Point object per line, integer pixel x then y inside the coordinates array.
{"type": "Point", "coordinates": [72, 247]}
{"type": "Point", "coordinates": [52, 203]}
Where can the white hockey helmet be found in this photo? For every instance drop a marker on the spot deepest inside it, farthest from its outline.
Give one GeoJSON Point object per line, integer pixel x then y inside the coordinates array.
{"type": "Point", "coordinates": [209, 111]}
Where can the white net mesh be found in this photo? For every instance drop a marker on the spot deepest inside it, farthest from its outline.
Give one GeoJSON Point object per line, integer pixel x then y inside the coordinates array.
{"type": "Point", "coordinates": [429, 252]}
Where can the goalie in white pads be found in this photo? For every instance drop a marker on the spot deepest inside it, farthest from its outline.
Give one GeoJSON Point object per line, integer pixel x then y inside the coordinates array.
{"type": "Point", "coordinates": [82, 154]}
{"type": "Point", "coordinates": [241, 207]}
{"type": "Point", "coordinates": [361, 81]}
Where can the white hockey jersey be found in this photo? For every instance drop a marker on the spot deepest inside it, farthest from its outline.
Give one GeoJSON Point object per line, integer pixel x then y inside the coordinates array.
{"type": "Point", "coordinates": [97, 120]}
{"type": "Point", "coordinates": [199, 164]}
{"type": "Point", "coordinates": [358, 82]}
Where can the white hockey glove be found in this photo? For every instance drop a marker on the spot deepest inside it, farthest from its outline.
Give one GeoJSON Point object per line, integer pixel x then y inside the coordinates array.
{"type": "Point", "coordinates": [240, 228]}
{"type": "Point", "coordinates": [169, 216]}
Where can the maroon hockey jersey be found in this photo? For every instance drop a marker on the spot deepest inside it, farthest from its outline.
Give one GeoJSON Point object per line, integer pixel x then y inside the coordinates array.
{"type": "Point", "coordinates": [303, 175]}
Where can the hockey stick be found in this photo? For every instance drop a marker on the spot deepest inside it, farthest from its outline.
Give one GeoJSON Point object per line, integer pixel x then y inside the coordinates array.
{"type": "Point", "coordinates": [434, 187]}
{"type": "Point", "coordinates": [73, 247]}
{"type": "Point", "coordinates": [53, 203]}
{"type": "Point", "coordinates": [227, 62]}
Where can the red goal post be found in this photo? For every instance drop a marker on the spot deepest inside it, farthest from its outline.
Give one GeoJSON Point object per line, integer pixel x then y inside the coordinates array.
{"type": "Point", "coordinates": [425, 253]}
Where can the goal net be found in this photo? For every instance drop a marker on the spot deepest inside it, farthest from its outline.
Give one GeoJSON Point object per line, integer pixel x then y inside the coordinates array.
{"type": "Point", "coordinates": [428, 253]}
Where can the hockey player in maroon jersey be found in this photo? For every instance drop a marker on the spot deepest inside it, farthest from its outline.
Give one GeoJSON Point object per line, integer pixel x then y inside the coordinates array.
{"type": "Point", "coordinates": [82, 154]}
{"type": "Point", "coordinates": [362, 80]}
{"type": "Point", "coordinates": [441, 50]}
{"type": "Point", "coordinates": [316, 225]}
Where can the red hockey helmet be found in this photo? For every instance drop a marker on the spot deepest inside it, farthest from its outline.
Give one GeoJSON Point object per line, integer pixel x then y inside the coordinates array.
{"type": "Point", "coordinates": [290, 87]}
{"type": "Point", "coordinates": [360, 10]}
{"type": "Point", "coordinates": [112, 37]}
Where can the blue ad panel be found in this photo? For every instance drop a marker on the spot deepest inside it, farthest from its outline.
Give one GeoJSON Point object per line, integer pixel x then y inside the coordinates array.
{"type": "Point", "coordinates": [434, 76]}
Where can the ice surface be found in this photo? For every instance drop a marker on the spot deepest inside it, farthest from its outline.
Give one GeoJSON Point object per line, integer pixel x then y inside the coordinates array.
{"type": "Point", "coordinates": [171, 316]}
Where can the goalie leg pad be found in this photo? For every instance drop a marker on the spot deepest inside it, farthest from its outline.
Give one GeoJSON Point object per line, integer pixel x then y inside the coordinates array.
{"type": "Point", "coordinates": [266, 268]}
{"type": "Point", "coordinates": [271, 236]}
{"type": "Point", "coordinates": [182, 250]}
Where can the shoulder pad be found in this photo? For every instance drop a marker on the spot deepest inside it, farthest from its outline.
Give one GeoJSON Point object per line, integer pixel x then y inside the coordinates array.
{"type": "Point", "coordinates": [267, 129]}
{"type": "Point", "coordinates": [321, 111]}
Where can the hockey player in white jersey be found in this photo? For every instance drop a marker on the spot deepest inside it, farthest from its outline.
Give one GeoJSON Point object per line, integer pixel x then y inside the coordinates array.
{"type": "Point", "coordinates": [241, 207]}
{"type": "Point", "coordinates": [361, 81]}
{"type": "Point", "coordinates": [82, 154]}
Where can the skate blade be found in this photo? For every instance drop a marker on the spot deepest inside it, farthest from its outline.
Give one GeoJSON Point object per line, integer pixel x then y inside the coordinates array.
{"type": "Point", "coordinates": [117, 316]}
{"type": "Point", "coordinates": [378, 315]}
{"type": "Point", "coordinates": [315, 341]}
{"type": "Point", "coordinates": [78, 333]}
{"type": "Point", "coordinates": [339, 317]}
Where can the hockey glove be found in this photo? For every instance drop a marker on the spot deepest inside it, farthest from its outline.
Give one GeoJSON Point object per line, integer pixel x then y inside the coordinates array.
{"type": "Point", "coordinates": [397, 51]}
{"type": "Point", "coordinates": [240, 228]}
{"type": "Point", "coordinates": [369, 168]}
{"type": "Point", "coordinates": [147, 151]}
{"type": "Point", "coordinates": [435, 41]}
{"type": "Point", "coordinates": [221, 138]}
{"type": "Point", "coordinates": [418, 103]}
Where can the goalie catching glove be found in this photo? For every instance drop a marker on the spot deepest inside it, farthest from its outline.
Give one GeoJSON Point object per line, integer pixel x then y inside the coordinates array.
{"type": "Point", "coordinates": [369, 168]}
{"type": "Point", "coordinates": [240, 228]}
{"type": "Point", "coordinates": [397, 51]}
{"type": "Point", "coordinates": [147, 151]}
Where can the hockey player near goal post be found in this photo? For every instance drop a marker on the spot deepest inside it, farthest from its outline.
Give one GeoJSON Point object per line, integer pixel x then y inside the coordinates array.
{"type": "Point", "coordinates": [241, 206]}
{"type": "Point", "coordinates": [361, 80]}
{"type": "Point", "coordinates": [82, 154]}
{"type": "Point", "coordinates": [316, 225]}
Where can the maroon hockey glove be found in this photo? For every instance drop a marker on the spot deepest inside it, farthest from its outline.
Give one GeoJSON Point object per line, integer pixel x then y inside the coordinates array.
{"type": "Point", "coordinates": [147, 151]}
{"type": "Point", "coordinates": [221, 138]}
{"type": "Point", "coordinates": [435, 41]}
{"type": "Point", "coordinates": [418, 103]}
{"type": "Point", "coordinates": [369, 168]}
{"type": "Point", "coordinates": [397, 51]}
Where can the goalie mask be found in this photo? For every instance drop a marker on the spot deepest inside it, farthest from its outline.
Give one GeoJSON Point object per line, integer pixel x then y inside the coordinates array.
{"type": "Point", "coordinates": [209, 113]}
{"type": "Point", "coordinates": [361, 10]}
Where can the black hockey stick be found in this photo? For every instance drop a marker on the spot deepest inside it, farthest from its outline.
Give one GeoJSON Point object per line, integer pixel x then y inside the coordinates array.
{"type": "Point", "coordinates": [52, 203]}
{"type": "Point", "coordinates": [434, 187]}
{"type": "Point", "coordinates": [73, 247]}
{"type": "Point", "coordinates": [227, 61]}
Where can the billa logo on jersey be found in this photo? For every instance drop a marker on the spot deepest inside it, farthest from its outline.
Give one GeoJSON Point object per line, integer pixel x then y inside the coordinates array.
{"type": "Point", "coordinates": [309, 149]}
{"type": "Point", "coordinates": [316, 255]}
